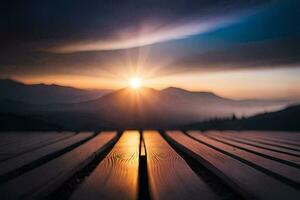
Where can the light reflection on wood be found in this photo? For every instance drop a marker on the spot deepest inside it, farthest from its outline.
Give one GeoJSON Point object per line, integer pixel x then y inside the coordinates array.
{"type": "Point", "coordinates": [116, 177]}
{"type": "Point", "coordinates": [169, 175]}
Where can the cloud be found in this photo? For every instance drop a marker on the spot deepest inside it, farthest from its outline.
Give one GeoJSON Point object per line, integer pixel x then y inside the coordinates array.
{"type": "Point", "coordinates": [72, 25]}
{"type": "Point", "coordinates": [263, 54]}
{"type": "Point", "coordinates": [89, 38]}
{"type": "Point", "coordinates": [148, 35]}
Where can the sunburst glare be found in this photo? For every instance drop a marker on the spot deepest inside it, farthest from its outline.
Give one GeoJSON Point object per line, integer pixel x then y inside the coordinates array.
{"type": "Point", "coordinates": [135, 83]}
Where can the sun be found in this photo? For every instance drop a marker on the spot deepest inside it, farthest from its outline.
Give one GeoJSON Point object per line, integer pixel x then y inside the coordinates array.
{"type": "Point", "coordinates": [135, 83]}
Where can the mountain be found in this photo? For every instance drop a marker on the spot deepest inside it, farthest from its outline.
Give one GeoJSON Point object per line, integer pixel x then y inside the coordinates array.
{"type": "Point", "coordinates": [166, 108]}
{"type": "Point", "coordinates": [45, 94]}
{"type": "Point", "coordinates": [143, 108]}
{"type": "Point", "coordinates": [286, 119]}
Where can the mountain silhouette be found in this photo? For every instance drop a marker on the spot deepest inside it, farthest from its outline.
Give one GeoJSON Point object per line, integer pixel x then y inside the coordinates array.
{"type": "Point", "coordinates": [143, 108]}
{"type": "Point", "coordinates": [45, 94]}
{"type": "Point", "coordinates": [148, 107]}
{"type": "Point", "coordinates": [286, 120]}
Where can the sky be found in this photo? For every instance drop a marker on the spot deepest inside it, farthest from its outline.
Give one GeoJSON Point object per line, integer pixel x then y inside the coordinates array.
{"type": "Point", "coordinates": [237, 49]}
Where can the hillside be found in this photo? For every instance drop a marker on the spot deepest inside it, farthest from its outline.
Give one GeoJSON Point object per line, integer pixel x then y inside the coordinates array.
{"type": "Point", "coordinates": [286, 119]}
{"type": "Point", "coordinates": [45, 94]}
{"type": "Point", "coordinates": [143, 108]}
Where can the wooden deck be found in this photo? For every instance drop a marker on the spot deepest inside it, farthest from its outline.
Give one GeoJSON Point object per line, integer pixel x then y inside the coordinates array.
{"type": "Point", "coordinates": [150, 165]}
{"type": "Point", "coordinates": [117, 175]}
{"type": "Point", "coordinates": [169, 175]}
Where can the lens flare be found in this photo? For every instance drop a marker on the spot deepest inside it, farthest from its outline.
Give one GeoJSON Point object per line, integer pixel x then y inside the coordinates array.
{"type": "Point", "coordinates": [135, 83]}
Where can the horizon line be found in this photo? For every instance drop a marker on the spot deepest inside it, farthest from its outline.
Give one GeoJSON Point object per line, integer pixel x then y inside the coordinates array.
{"type": "Point", "coordinates": [294, 98]}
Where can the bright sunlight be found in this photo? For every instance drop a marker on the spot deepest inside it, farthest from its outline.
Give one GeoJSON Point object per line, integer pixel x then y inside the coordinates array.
{"type": "Point", "coordinates": [135, 83]}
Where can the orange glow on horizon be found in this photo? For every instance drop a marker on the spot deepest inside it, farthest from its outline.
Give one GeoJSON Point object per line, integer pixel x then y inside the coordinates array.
{"type": "Point", "coordinates": [231, 84]}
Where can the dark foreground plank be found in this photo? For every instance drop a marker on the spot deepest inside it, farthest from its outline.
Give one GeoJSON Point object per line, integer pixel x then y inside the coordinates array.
{"type": "Point", "coordinates": [252, 140]}
{"type": "Point", "coordinates": [289, 173]}
{"type": "Point", "coordinates": [30, 138]}
{"type": "Point", "coordinates": [268, 138]}
{"type": "Point", "coordinates": [34, 141]}
{"type": "Point", "coordinates": [280, 136]}
{"type": "Point", "coordinates": [17, 162]}
{"type": "Point", "coordinates": [116, 177]}
{"type": "Point", "coordinates": [41, 181]}
{"type": "Point", "coordinates": [9, 138]}
{"type": "Point", "coordinates": [282, 157]}
{"type": "Point", "coordinates": [251, 183]}
{"type": "Point", "coordinates": [169, 175]}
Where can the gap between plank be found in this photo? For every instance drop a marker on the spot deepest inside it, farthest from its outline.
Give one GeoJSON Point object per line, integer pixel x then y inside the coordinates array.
{"type": "Point", "coordinates": [69, 186]}
{"type": "Point", "coordinates": [217, 185]}
{"type": "Point", "coordinates": [143, 182]}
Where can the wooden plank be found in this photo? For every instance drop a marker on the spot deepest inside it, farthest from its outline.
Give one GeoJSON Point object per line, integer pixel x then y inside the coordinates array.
{"type": "Point", "coordinates": [37, 141]}
{"type": "Point", "coordinates": [18, 138]}
{"type": "Point", "coordinates": [281, 157]}
{"type": "Point", "coordinates": [265, 140]}
{"type": "Point", "coordinates": [41, 181]}
{"type": "Point", "coordinates": [255, 137]}
{"type": "Point", "coordinates": [283, 141]}
{"type": "Point", "coordinates": [288, 174]}
{"type": "Point", "coordinates": [293, 138]}
{"type": "Point", "coordinates": [251, 183]}
{"type": "Point", "coordinates": [25, 159]}
{"type": "Point", "coordinates": [11, 137]}
{"type": "Point", "coordinates": [165, 167]}
{"type": "Point", "coordinates": [238, 138]}
{"type": "Point", "coordinates": [116, 177]}
{"type": "Point", "coordinates": [29, 140]}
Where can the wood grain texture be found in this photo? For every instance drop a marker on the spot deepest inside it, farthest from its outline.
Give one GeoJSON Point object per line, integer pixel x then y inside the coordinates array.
{"type": "Point", "coordinates": [116, 177]}
{"type": "Point", "coordinates": [12, 137]}
{"type": "Point", "coordinates": [8, 138]}
{"type": "Point", "coordinates": [252, 140]}
{"type": "Point", "coordinates": [24, 139]}
{"type": "Point", "coordinates": [23, 145]}
{"type": "Point", "coordinates": [39, 182]}
{"type": "Point", "coordinates": [17, 162]}
{"type": "Point", "coordinates": [288, 172]}
{"type": "Point", "coordinates": [293, 160]}
{"type": "Point", "coordinates": [251, 183]}
{"type": "Point", "coordinates": [268, 139]}
{"type": "Point", "coordinates": [169, 175]}
{"type": "Point", "coordinates": [281, 136]}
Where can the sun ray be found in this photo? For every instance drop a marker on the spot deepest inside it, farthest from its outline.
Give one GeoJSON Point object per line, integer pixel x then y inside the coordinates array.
{"type": "Point", "coordinates": [135, 83]}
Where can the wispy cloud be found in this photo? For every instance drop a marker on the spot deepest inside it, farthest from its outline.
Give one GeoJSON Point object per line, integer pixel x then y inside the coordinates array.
{"type": "Point", "coordinates": [150, 34]}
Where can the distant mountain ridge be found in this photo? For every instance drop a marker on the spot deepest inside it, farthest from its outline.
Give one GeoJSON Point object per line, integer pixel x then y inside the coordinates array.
{"type": "Point", "coordinates": [45, 94]}
{"type": "Point", "coordinates": [284, 120]}
{"type": "Point", "coordinates": [143, 108]}
{"type": "Point", "coordinates": [180, 90]}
